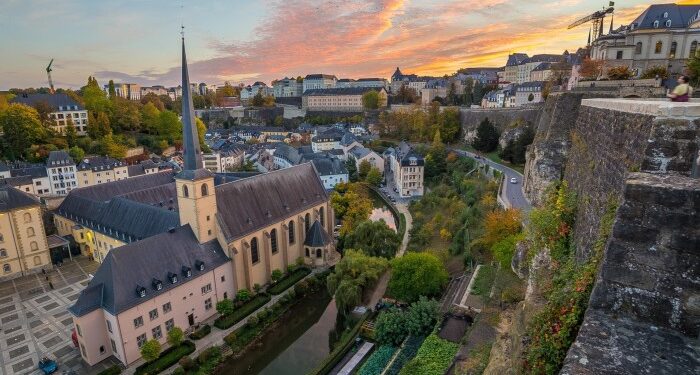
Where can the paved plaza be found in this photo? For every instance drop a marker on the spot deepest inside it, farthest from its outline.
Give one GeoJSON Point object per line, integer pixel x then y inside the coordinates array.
{"type": "Point", "coordinates": [35, 322]}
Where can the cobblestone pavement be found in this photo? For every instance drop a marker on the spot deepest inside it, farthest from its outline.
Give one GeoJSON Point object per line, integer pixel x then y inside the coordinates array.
{"type": "Point", "coordinates": [35, 322]}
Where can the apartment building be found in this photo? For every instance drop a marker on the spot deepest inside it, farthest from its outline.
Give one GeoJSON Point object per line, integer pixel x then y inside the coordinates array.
{"type": "Point", "coordinates": [287, 88]}
{"type": "Point", "coordinates": [407, 167]}
{"type": "Point", "coordinates": [319, 81]}
{"type": "Point", "coordinates": [65, 110]}
{"type": "Point", "coordinates": [95, 170]}
{"type": "Point", "coordinates": [347, 99]}
{"type": "Point", "coordinates": [130, 91]}
{"type": "Point", "coordinates": [61, 171]}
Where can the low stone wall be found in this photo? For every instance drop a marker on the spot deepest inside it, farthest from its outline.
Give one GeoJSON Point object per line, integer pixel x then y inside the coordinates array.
{"type": "Point", "coordinates": [500, 117]}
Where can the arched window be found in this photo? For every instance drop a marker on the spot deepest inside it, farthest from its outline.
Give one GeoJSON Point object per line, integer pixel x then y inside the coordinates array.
{"type": "Point", "coordinates": [185, 191]}
{"type": "Point", "coordinates": [321, 217]}
{"type": "Point", "coordinates": [307, 222]}
{"type": "Point", "coordinates": [693, 48]}
{"type": "Point", "coordinates": [658, 47]}
{"type": "Point", "coordinates": [254, 255]}
{"type": "Point", "coordinates": [30, 232]}
{"type": "Point", "coordinates": [3, 253]}
{"type": "Point", "coordinates": [205, 190]}
{"type": "Point", "coordinates": [6, 268]}
{"type": "Point", "coordinates": [638, 48]}
{"type": "Point", "coordinates": [37, 260]}
{"type": "Point", "coordinates": [273, 240]}
{"type": "Point", "coordinates": [291, 232]}
{"type": "Point", "coordinates": [27, 217]}
{"type": "Point", "coordinates": [318, 253]}
{"type": "Point", "coordinates": [672, 53]}
{"type": "Point", "coordinates": [34, 246]}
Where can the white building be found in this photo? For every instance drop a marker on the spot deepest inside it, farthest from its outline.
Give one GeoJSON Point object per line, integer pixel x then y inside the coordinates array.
{"type": "Point", "coordinates": [407, 168]}
{"type": "Point", "coordinates": [331, 170]}
{"type": "Point", "coordinates": [528, 90]}
{"type": "Point", "coordinates": [65, 110]}
{"type": "Point", "coordinates": [319, 81]}
{"type": "Point", "coordinates": [61, 171]}
{"type": "Point", "coordinates": [248, 92]}
{"type": "Point", "coordinates": [156, 90]}
{"type": "Point", "coordinates": [327, 140]}
{"type": "Point", "coordinates": [130, 91]}
{"type": "Point", "coordinates": [287, 88]}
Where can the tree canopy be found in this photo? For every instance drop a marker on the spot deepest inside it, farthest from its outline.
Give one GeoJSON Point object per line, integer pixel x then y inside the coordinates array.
{"type": "Point", "coordinates": [354, 272]}
{"type": "Point", "coordinates": [370, 99]}
{"type": "Point", "coordinates": [486, 136]}
{"type": "Point", "coordinates": [21, 128]}
{"type": "Point", "coordinates": [416, 274]}
{"type": "Point", "coordinates": [374, 238]}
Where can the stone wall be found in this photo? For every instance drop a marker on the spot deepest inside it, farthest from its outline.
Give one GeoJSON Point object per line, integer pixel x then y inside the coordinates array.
{"type": "Point", "coordinates": [500, 117]}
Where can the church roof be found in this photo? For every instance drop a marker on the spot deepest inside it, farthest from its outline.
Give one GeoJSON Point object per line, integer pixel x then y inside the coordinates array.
{"type": "Point", "coordinates": [250, 204]}
{"type": "Point", "coordinates": [317, 236]}
{"type": "Point", "coordinates": [679, 15]}
{"type": "Point", "coordinates": [12, 199]}
{"type": "Point", "coordinates": [139, 264]}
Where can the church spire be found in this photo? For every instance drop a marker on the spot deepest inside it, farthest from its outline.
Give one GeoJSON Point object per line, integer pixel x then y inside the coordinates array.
{"type": "Point", "coordinates": [192, 153]}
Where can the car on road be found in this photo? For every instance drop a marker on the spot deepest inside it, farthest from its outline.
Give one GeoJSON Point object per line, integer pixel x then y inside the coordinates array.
{"type": "Point", "coordinates": [48, 365]}
{"type": "Point", "coordinates": [513, 180]}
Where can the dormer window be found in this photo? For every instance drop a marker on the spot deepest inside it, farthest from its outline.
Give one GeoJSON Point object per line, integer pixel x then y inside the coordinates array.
{"type": "Point", "coordinates": [157, 284]}
{"type": "Point", "coordinates": [140, 291]}
{"type": "Point", "coordinates": [668, 23]}
{"type": "Point", "coordinates": [656, 24]}
{"type": "Point", "coordinates": [186, 271]}
{"type": "Point", "coordinates": [665, 14]}
{"type": "Point", "coordinates": [172, 277]}
{"type": "Point", "coordinates": [199, 265]}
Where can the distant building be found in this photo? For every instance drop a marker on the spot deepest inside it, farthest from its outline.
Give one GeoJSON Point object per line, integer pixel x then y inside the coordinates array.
{"type": "Point", "coordinates": [230, 155]}
{"type": "Point", "coordinates": [361, 153]}
{"type": "Point", "coordinates": [65, 110]}
{"type": "Point", "coordinates": [61, 171]}
{"type": "Point", "coordinates": [155, 90]}
{"type": "Point", "coordinates": [339, 99]}
{"type": "Point", "coordinates": [327, 140]}
{"type": "Point", "coordinates": [23, 246]}
{"type": "Point", "coordinates": [95, 170]}
{"type": "Point", "coordinates": [407, 167]}
{"type": "Point", "coordinates": [130, 91]}
{"type": "Point", "coordinates": [287, 88]}
{"type": "Point", "coordinates": [319, 81]}
{"type": "Point", "coordinates": [331, 170]}
{"type": "Point", "coordinates": [541, 72]}
{"type": "Point", "coordinates": [248, 92]}
{"type": "Point", "coordinates": [487, 76]}
{"type": "Point", "coordinates": [523, 92]}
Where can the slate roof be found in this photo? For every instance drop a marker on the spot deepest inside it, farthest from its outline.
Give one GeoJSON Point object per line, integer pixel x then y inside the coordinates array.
{"type": "Point", "coordinates": [405, 154]}
{"type": "Point", "coordinates": [319, 76]}
{"type": "Point", "coordinates": [35, 171]}
{"type": "Point", "coordinates": [348, 139]}
{"type": "Point", "coordinates": [59, 158]}
{"type": "Point", "coordinates": [288, 153]}
{"type": "Point", "coordinates": [359, 152]}
{"type": "Point", "coordinates": [12, 199]}
{"type": "Point", "coordinates": [679, 15]}
{"type": "Point", "coordinates": [16, 181]}
{"type": "Point", "coordinates": [330, 135]}
{"type": "Point", "coordinates": [113, 287]}
{"type": "Point", "coordinates": [329, 166]}
{"type": "Point", "coordinates": [317, 236]}
{"type": "Point", "coordinates": [99, 163]}
{"type": "Point", "coordinates": [516, 59]}
{"type": "Point", "coordinates": [339, 91]}
{"type": "Point", "coordinates": [543, 66]}
{"type": "Point", "coordinates": [252, 203]}
{"type": "Point", "coordinates": [54, 100]}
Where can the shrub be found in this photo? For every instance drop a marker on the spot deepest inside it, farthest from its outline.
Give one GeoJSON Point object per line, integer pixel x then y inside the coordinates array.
{"type": "Point", "coordinates": [253, 320]}
{"type": "Point", "coordinates": [166, 359]}
{"type": "Point", "coordinates": [415, 275]}
{"type": "Point", "coordinates": [175, 336]}
{"type": "Point", "coordinates": [150, 350]}
{"type": "Point", "coordinates": [243, 295]}
{"type": "Point", "coordinates": [622, 72]}
{"type": "Point", "coordinates": [653, 71]}
{"type": "Point", "coordinates": [224, 307]}
{"type": "Point", "coordinates": [179, 371]}
{"type": "Point", "coordinates": [208, 354]}
{"type": "Point", "coordinates": [257, 288]}
{"type": "Point", "coordinates": [113, 370]}
{"type": "Point", "coordinates": [187, 363]}
{"type": "Point", "coordinates": [377, 361]}
{"type": "Point", "coordinates": [202, 332]}
{"type": "Point", "coordinates": [276, 275]}
{"type": "Point", "coordinates": [287, 281]}
{"type": "Point", "coordinates": [390, 327]}
{"type": "Point", "coordinates": [224, 322]}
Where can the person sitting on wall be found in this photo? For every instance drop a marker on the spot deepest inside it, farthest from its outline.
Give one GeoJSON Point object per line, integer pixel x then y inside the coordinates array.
{"type": "Point", "coordinates": [682, 92]}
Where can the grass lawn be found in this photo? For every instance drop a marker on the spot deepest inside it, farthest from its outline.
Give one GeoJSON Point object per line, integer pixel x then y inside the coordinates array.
{"type": "Point", "coordinates": [484, 280]}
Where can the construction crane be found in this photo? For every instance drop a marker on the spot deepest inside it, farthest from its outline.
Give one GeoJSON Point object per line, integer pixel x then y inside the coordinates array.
{"type": "Point", "coordinates": [48, 72]}
{"type": "Point", "coordinates": [596, 19]}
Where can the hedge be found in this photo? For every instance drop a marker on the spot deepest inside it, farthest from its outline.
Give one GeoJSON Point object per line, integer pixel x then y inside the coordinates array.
{"type": "Point", "coordinates": [402, 225]}
{"type": "Point", "coordinates": [289, 280]}
{"type": "Point", "coordinates": [408, 351]}
{"type": "Point", "coordinates": [377, 361]}
{"type": "Point", "coordinates": [433, 358]}
{"type": "Point", "coordinates": [224, 322]}
{"type": "Point", "coordinates": [340, 350]}
{"type": "Point", "coordinates": [166, 359]}
{"type": "Point", "coordinates": [201, 332]}
{"type": "Point", "coordinates": [114, 370]}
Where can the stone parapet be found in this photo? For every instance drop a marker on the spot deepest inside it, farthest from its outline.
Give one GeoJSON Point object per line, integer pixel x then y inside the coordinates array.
{"type": "Point", "coordinates": [653, 107]}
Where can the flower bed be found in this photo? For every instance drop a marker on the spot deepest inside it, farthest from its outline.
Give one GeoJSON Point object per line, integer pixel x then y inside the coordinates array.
{"type": "Point", "coordinates": [224, 322]}
{"type": "Point", "coordinates": [377, 361]}
{"type": "Point", "coordinates": [289, 280]}
{"type": "Point", "coordinates": [201, 333]}
{"type": "Point", "coordinates": [433, 358]}
{"type": "Point", "coordinates": [408, 351]}
{"type": "Point", "coordinates": [166, 359]}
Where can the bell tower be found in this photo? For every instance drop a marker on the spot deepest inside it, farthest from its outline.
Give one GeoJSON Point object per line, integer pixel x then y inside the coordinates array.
{"type": "Point", "coordinates": [196, 196]}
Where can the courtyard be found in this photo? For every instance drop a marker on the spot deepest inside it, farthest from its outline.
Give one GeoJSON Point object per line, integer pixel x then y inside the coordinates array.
{"type": "Point", "coordinates": [35, 322]}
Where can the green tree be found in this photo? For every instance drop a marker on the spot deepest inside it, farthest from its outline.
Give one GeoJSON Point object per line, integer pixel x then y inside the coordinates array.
{"type": "Point", "coordinates": [76, 153]}
{"type": "Point", "coordinates": [436, 159]}
{"type": "Point", "coordinates": [364, 168]}
{"type": "Point", "coordinates": [370, 99]}
{"type": "Point", "coordinates": [70, 133]}
{"type": "Point", "coordinates": [374, 238]}
{"type": "Point", "coordinates": [520, 146]}
{"type": "Point", "coordinates": [228, 90]}
{"type": "Point", "coordinates": [169, 125]}
{"type": "Point", "coordinates": [201, 132]}
{"type": "Point", "coordinates": [150, 350]}
{"type": "Point", "coordinates": [450, 124]}
{"type": "Point", "coordinates": [149, 117]}
{"type": "Point", "coordinates": [95, 99]}
{"type": "Point", "coordinates": [478, 93]}
{"type": "Point", "coordinates": [416, 274]}
{"type": "Point", "coordinates": [468, 88]}
{"type": "Point", "coordinates": [224, 307]}
{"type": "Point", "coordinates": [175, 336]}
{"type": "Point", "coordinates": [353, 273]}
{"type": "Point", "coordinates": [258, 100]}
{"type": "Point", "coordinates": [422, 316]}
{"type": "Point", "coordinates": [390, 327]}
{"type": "Point", "coordinates": [374, 176]}
{"type": "Point", "coordinates": [21, 128]}
{"type": "Point", "coordinates": [243, 295]}
{"type": "Point", "coordinates": [276, 275]}
{"type": "Point", "coordinates": [486, 137]}
{"type": "Point", "coordinates": [351, 166]}
{"type": "Point", "coordinates": [112, 148]}
{"type": "Point", "coordinates": [125, 115]}
{"type": "Point", "coordinates": [110, 90]}
{"type": "Point", "coordinates": [693, 65]}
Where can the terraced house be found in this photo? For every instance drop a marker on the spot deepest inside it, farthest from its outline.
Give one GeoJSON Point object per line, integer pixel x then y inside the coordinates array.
{"type": "Point", "coordinates": [176, 244]}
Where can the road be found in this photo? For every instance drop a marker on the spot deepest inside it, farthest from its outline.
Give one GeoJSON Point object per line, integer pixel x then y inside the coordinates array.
{"type": "Point", "coordinates": [513, 191]}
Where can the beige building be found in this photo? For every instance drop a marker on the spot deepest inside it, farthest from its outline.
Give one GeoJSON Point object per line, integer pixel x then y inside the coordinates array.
{"type": "Point", "coordinates": [23, 247]}
{"type": "Point", "coordinates": [173, 245]}
{"type": "Point", "coordinates": [408, 169]}
{"type": "Point", "coordinates": [345, 99]}
{"type": "Point", "coordinates": [95, 170]}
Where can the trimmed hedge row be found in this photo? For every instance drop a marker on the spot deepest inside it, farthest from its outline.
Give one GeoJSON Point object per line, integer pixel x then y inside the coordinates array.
{"type": "Point", "coordinates": [340, 350]}
{"type": "Point", "coordinates": [408, 351]}
{"type": "Point", "coordinates": [201, 332]}
{"type": "Point", "coordinates": [224, 322]}
{"type": "Point", "coordinates": [377, 361]}
{"type": "Point", "coordinates": [289, 280]}
{"type": "Point", "coordinates": [114, 370]}
{"type": "Point", "coordinates": [166, 359]}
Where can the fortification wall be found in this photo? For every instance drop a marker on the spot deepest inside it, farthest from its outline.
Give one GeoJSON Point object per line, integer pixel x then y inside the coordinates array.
{"type": "Point", "coordinates": [502, 118]}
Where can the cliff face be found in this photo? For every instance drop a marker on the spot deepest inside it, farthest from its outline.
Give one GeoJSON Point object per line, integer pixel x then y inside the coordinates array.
{"type": "Point", "coordinates": [648, 288]}
{"type": "Point", "coordinates": [502, 118]}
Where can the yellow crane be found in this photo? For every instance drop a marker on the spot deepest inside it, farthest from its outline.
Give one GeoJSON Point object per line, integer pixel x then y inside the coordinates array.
{"type": "Point", "coordinates": [597, 19]}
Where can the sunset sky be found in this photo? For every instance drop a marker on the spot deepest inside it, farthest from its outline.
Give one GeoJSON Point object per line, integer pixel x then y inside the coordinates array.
{"type": "Point", "coordinates": [138, 40]}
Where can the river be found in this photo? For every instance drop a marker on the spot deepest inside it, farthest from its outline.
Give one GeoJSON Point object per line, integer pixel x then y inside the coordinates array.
{"type": "Point", "coordinates": [381, 211]}
{"type": "Point", "coordinates": [295, 346]}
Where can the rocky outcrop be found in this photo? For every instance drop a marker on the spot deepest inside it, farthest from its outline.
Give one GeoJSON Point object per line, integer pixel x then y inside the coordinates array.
{"type": "Point", "coordinates": [511, 135]}
{"type": "Point", "coordinates": [502, 118]}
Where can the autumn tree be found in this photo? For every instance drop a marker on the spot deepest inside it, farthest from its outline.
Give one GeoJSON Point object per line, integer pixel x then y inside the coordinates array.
{"type": "Point", "coordinates": [370, 99]}
{"type": "Point", "coordinates": [149, 117]}
{"type": "Point", "coordinates": [351, 204]}
{"type": "Point", "coordinates": [363, 169]}
{"type": "Point", "coordinates": [591, 69]}
{"type": "Point", "coordinates": [21, 128]}
{"type": "Point", "coordinates": [500, 224]}
{"type": "Point", "coordinates": [621, 72]}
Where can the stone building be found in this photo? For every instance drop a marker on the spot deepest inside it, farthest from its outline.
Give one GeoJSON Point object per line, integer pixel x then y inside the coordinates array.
{"type": "Point", "coordinates": [65, 110]}
{"type": "Point", "coordinates": [182, 242]}
{"type": "Point", "coordinates": [347, 99]}
{"type": "Point", "coordinates": [23, 247]}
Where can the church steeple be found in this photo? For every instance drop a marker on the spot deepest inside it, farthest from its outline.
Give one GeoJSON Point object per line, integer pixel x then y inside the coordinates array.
{"type": "Point", "coordinates": [192, 153]}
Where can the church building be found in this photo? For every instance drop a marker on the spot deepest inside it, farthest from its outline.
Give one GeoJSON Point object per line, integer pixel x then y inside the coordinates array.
{"type": "Point", "coordinates": [172, 245]}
